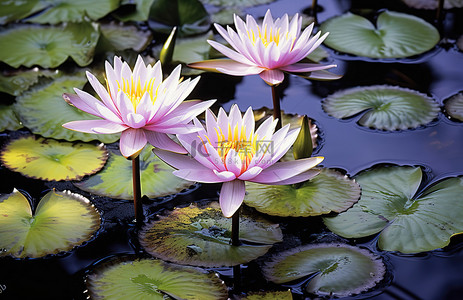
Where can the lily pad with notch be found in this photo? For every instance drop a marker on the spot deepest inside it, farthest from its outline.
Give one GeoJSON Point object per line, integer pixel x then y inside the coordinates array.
{"type": "Point", "coordinates": [61, 221]}
{"type": "Point", "coordinates": [334, 270]}
{"type": "Point", "coordinates": [17, 82]}
{"type": "Point", "coordinates": [395, 35]}
{"type": "Point", "coordinates": [48, 46]}
{"type": "Point", "coordinates": [383, 107]}
{"type": "Point", "coordinates": [55, 11]}
{"type": "Point", "coordinates": [115, 180]}
{"type": "Point", "coordinates": [329, 191]}
{"type": "Point", "coordinates": [43, 110]}
{"type": "Point", "coordinates": [406, 221]}
{"type": "Point", "coordinates": [48, 159]}
{"type": "Point", "coordinates": [201, 237]}
{"type": "Point", "coordinates": [145, 278]}
{"type": "Point", "coordinates": [454, 106]}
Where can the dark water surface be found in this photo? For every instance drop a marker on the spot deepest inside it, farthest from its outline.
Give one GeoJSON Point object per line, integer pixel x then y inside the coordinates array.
{"type": "Point", "coordinates": [345, 145]}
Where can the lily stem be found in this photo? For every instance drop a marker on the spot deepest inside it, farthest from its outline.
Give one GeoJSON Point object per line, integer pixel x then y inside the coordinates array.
{"type": "Point", "coordinates": [439, 14]}
{"type": "Point", "coordinates": [235, 241]}
{"type": "Point", "coordinates": [137, 191]}
{"type": "Point", "coordinates": [314, 11]}
{"type": "Point", "coordinates": [276, 106]}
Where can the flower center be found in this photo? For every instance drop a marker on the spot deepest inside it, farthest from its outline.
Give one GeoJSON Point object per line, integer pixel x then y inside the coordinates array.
{"type": "Point", "coordinates": [135, 91]}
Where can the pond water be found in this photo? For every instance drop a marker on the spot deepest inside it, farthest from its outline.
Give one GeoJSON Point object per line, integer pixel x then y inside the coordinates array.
{"type": "Point", "coordinates": [344, 144]}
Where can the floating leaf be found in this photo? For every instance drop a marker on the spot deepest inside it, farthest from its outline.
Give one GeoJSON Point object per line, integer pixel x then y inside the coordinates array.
{"type": "Point", "coordinates": [152, 279]}
{"type": "Point", "coordinates": [48, 46]}
{"type": "Point", "coordinates": [43, 110]}
{"type": "Point", "coordinates": [8, 118]}
{"type": "Point", "coordinates": [17, 10]}
{"type": "Point", "coordinates": [58, 11]}
{"type": "Point", "coordinates": [141, 12]}
{"type": "Point", "coordinates": [201, 237]}
{"type": "Point", "coordinates": [328, 191]}
{"type": "Point", "coordinates": [454, 106]}
{"type": "Point", "coordinates": [235, 3]}
{"type": "Point", "coordinates": [407, 223]}
{"type": "Point", "coordinates": [115, 180]}
{"type": "Point", "coordinates": [269, 295]}
{"type": "Point", "coordinates": [189, 16]}
{"type": "Point", "coordinates": [17, 82]}
{"type": "Point", "coordinates": [47, 159]}
{"type": "Point", "coordinates": [62, 221]}
{"type": "Point", "coordinates": [433, 4]}
{"type": "Point", "coordinates": [120, 37]}
{"type": "Point", "coordinates": [338, 270]}
{"type": "Point", "coordinates": [385, 107]}
{"type": "Point", "coordinates": [395, 35]}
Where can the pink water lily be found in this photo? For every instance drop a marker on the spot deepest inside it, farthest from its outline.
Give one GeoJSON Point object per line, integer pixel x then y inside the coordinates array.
{"type": "Point", "coordinates": [139, 104]}
{"type": "Point", "coordinates": [269, 49]}
{"type": "Point", "coordinates": [229, 150]}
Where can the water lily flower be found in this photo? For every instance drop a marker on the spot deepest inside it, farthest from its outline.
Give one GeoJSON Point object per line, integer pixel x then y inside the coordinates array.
{"type": "Point", "coordinates": [229, 150]}
{"type": "Point", "coordinates": [140, 105]}
{"type": "Point", "coordinates": [269, 49]}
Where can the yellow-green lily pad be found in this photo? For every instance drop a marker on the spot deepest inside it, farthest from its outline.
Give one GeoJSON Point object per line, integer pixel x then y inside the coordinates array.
{"type": "Point", "coordinates": [336, 270]}
{"type": "Point", "coordinates": [43, 110]}
{"type": "Point", "coordinates": [407, 221]}
{"type": "Point", "coordinates": [454, 106]}
{"type": "Point", "coordinates": [48, 159]}
{"type": "Point", "coordinates": [395, 35]}
{"type": "Point", "coordinates": [201, 237]}
{"type": "Point", "coordinates": [8, 118]}
{"type": "Point", "coordinates": [143, 278]}
{"type": "Point", "coordinates": [383, 107]}
{"type": "Point", "coordinates": [115, 180]}
{"type": "Point", "coordinates": [329, 191]}
{"type": "Point", "coordinates": [61, 221]}
{"type": "Point", "coordinates": [48, 46]}
{"type": "Point", "coordinates": [269, 295]}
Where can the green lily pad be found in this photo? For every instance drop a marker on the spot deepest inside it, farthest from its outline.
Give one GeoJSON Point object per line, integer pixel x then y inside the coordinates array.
{"type": "Point", "coordinates": [407, 222]}
{"type": "Point", "coordinates": [338, 270]}
{"type": "Point", "coordinates": [237, 3]}
{"type": "Point", "coordinates": [115, 180]}
{"type": "Point", "coordinates": [329, 191]}
{"type": "Point", "coordinates": [454, 106]}
{"type": "Point", "coordinates": [123, 278]}
{"type": "Point", "coordinates": [433, 4]}
{"type": "Point", "coordinates": [48, 159]}
{"type": "Point", "coordinates": [8, 118]}
{"type": "Point", "coordinates": [48, 46]}
{"type": "Point", "coordinates": [119, 37]}
{"type": "Point", "coordinates": [269, 295]}
{"type": "Point", "coordinates": [17, 10]}
{"type": "Point", "coordinates": [61, 221]}
{"type": "Point", "coordinates": [58, 11]}
{"type": "Point", "coordinates": [395, 35]}
{"type": "Point", "coordinates": [201, 237]}
{"type": "Point", "coordinates": [140, 13]}
{"type": "Point", "coordinates": [16, 83]}
{"type": "Point", "coordinates": [384, 107]}
{"type": "Point", "coordinates": [43, 110]}
{"type": "Point", "coordinates": [189, 16]}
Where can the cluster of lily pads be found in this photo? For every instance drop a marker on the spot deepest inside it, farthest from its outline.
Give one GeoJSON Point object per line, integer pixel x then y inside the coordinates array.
{"type": "Point", "coordinates": [46, 47]}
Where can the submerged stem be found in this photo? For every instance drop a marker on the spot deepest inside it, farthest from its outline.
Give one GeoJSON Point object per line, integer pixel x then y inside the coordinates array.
{"type": "Point", "coordinates": [137, 191]}
{"type": "Point", "coordinates": [235, 240]}
{"type": "Point", "coordinates": [276, 107]}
